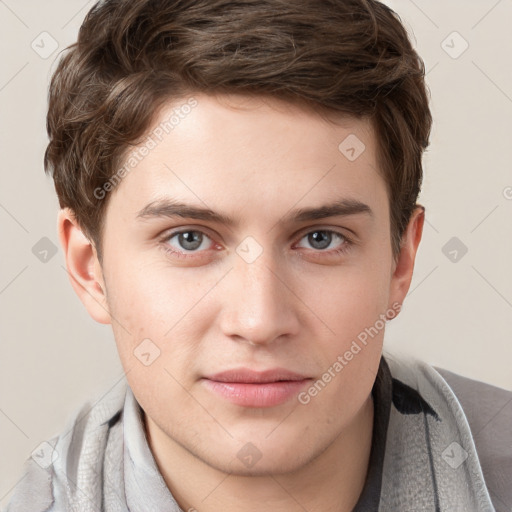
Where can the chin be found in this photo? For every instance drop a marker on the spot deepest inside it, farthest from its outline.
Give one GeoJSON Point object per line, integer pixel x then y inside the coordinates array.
{"type": "Point", "coordinates": [261, 457]}
{"type": "Point", "coordinates": [270, 466]}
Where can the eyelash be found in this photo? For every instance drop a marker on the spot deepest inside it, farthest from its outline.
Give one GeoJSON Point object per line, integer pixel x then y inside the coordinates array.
{"type": "Point", "coordinates": [345, 246]}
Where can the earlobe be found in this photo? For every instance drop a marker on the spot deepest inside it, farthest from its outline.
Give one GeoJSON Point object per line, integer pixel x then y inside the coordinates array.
{"type": "Point", "coordinates": [403, 270]}
{"type": "Point", "coordinates": [83, 267]}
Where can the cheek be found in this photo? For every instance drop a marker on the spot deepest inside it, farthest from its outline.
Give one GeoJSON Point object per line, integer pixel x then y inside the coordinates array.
{"type": "Point", "coordinates": [352, 306]}
{"type": "Point", "coordinates": [148, 296]}
{"type": "Point", "coordinates": [150, 301]}
{"type": "Point", "coordinates": [350, 299]}
{"type": "Point", "coordinates": [155, 342]}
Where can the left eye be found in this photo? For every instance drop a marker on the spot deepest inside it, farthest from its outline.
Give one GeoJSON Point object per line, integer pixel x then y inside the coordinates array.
{"type": "Point", "coordinates": [322, 238]}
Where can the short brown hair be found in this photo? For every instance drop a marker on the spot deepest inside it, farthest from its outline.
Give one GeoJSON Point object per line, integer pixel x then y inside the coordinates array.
{"type": "Point", "coordinates": [133, 56]}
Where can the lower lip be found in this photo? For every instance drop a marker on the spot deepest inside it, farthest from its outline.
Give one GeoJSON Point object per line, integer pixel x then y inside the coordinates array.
{"type": "Point", "coordinates": [266, 394]}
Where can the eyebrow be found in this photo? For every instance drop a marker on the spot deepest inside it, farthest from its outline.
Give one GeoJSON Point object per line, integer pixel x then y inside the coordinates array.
{"type": "Point", "coordinates": [170, 208]}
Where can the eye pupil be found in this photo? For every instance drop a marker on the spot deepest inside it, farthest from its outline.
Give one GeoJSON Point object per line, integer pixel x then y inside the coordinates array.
{"type": "Point", "coordinates": [324, 239]}
{"type": "Point", "coordinates": [190, 240]}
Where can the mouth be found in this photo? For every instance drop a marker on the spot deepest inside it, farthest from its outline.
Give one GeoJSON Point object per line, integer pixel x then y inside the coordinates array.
{"type": "Point", "coordinates": [249, 388]}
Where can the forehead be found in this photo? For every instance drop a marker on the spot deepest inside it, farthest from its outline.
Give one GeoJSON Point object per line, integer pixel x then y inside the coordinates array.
{"type": "Point", "coordinates": [242, 152]}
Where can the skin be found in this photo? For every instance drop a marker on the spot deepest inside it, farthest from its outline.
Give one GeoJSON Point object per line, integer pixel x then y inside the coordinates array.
{"type": "Point", "coordinates": [298, 306]}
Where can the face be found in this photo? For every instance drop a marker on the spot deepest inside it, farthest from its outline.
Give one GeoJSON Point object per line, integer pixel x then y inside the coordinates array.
{"type": "Point", "coordinates": [246, 241]}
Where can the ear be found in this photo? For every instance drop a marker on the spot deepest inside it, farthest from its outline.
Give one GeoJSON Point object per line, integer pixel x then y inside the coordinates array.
{"type": "Point", "coordinates": [83, 266]}
{"type": "Point", "coordinates": [404, 266]}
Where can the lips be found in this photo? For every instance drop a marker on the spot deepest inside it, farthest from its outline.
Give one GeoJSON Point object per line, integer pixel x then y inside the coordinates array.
{"type": "Point", "coordinates": [249, 388]}
{"type": "Point", "coordinates": [244, 375]}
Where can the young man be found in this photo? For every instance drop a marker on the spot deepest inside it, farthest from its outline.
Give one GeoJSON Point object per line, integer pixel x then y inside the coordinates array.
{"type": "Point", "coordinates": [238, 184]}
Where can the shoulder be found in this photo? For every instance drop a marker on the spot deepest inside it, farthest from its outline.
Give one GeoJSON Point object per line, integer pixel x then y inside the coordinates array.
{"type": "Point", "coordinates": [488, 410]}
{"type": "Point", "coordinates": [477, 412]}
{"type": "Point", "coordinates": [487, 407]}
{"type": "Point", "coordinates": [45, 484]}
{"type": "Point", "coordinates": [34, 489]}
{"type": "Point", "coordinates": [483, 410]}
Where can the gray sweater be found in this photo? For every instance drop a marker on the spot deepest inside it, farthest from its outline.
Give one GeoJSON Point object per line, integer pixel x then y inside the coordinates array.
{"type": "Point", "coordinates": [441, 443]}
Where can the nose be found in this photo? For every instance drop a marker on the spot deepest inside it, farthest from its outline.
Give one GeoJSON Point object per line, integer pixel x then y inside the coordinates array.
{"type": "Point", "coordinates": [260, 306]}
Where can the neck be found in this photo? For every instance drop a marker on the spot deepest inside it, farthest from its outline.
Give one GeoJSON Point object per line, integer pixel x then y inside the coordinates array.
{"type": "Point", "coordinates": [331, 482]}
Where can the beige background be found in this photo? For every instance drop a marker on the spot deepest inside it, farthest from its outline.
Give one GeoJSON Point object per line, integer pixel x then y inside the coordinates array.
{"type": "Point", "coordinates": [458, 314]}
